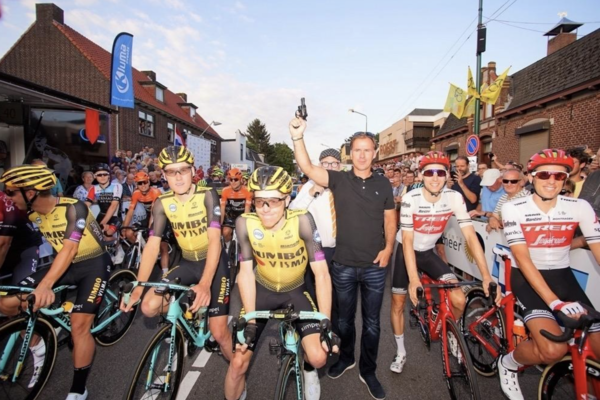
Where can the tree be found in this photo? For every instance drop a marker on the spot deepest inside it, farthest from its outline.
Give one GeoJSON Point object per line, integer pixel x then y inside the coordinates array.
{"type": "Point", "coordinates": [282, 156]}
{"type": "Point", "coordinates": [258, 139]}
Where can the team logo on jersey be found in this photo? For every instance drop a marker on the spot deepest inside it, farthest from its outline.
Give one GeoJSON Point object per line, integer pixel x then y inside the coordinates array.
{"type": "Point", "coordinates": [80, 223]}
{"type": "Point", "coordinates": [38, 221]}
{"type": "Point", "coordinates": [217, 210]}
{"type": "Point", "coordinates": [317, 237]}
{"type": "Point", "coordinates": [258, 234]}
{"type": "Point", "coordinates": [172, 207]}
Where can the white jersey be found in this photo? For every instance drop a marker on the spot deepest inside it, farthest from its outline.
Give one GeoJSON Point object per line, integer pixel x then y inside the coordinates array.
{"type": "Point", "coordinates": [428, 220]}
{"type": "Point", "coordinates": [549, 236]}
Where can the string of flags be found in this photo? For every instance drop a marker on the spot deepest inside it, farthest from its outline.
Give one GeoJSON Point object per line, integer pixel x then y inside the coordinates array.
{"type": "Point", "coordinates": [461, 103]}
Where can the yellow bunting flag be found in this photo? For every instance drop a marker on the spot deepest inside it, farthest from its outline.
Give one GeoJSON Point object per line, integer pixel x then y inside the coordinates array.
{"type": "Point", "coordinates": [471, 84]}
{"type": "Point", "coordinates": [455, 103]}
{"type": "Point", "coordinates": [490, 95]}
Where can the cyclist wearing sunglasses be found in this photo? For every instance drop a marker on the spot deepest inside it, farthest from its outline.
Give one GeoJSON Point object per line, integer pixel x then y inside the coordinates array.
{"type": "Point", "coordinates": [235, 200]}
{"type": "Point", "coordinates": [145, 195]}
{"type": "Point", "coordinates": [512, 181]}
{"type": "Point", "coordinates": [424, 215]}
{"type": "Point", "coordinates": [194, 214]}
{"type": "Point", "coordinates": [108, 197]}
{"type": "Point", "coordinates": [71, 229]}
{"type": "Point", "coordinates": [539, 230]}
{"type": "Point", "coordinates": [282, 242]}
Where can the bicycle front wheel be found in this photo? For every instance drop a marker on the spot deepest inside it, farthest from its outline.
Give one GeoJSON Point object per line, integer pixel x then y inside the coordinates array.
{"type": "Point", "coordinates": [458, 368]}
{"type": "Point", "coordinates": [150, 380]}
{"type": "Point", "coordinates": [287, 382]}
{"type": "Point", "coordinates": [35, 370]}
{"type": "Point", "coordinates": [118, 326]}
{"type": "Point", "coordinates": [492, 330]}
{"type": "Point", "coordinates": [558, 382]}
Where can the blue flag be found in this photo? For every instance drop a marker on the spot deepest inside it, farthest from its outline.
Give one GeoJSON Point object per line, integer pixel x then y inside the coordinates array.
{"type": "Point", "coordinates": [121, 81]}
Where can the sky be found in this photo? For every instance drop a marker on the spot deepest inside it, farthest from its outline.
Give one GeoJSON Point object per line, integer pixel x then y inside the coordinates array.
{"type": "Point", "coordinates": [241, 60]}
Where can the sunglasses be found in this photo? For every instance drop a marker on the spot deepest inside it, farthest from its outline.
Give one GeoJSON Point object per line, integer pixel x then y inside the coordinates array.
{"type": "Point", "coordinates": [334, 164]}
{"type": "Point", "coordinates": [439, 172]}
{"type": "Point", "coordinates": [180, 171]}
{"type": "Point", "coordinates": [545, 175]}
{"type": "Point", "coordinates": [234, 179]}
{"type": "Point", "coordinates": [142, 183]}
{"type": "Point", "coordinates": [511, 181]}
{"type": "Point", "coordinates": [101, 175]}
{"type": "Point", "coordinates": [10, 193]}
{"type": "Point", "coordinates": [269, 201]}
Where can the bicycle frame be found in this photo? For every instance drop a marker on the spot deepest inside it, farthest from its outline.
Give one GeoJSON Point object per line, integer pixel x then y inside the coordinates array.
{"type": "Point", "coordinates": [175, 317]}
{"type": "Point", "coordinates": [289, 338]}
{"type": "Point", "coordinates": [57, 314]}
{"type": "Point", "coordinates": [507, 303]}
{"type": "Point", "coordinates": [580, 351]}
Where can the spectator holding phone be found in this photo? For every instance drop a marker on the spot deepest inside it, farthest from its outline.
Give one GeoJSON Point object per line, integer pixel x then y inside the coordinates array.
{"type": "Point", "coordinates": [464, 182]}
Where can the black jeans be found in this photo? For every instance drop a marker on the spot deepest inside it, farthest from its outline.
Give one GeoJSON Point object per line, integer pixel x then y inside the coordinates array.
{"type": "Point", "coordinates": [346, 281]}
{"type": "Point", "coordinates": [309, 280]}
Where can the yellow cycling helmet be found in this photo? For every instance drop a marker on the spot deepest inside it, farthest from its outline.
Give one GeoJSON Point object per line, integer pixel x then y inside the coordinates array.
{"type": "Point", "coordinates": [270, 178]}
{"type": "Point", "coordinates": [27, 177]}
{"type": "Point", "coordinates": [175, 154]}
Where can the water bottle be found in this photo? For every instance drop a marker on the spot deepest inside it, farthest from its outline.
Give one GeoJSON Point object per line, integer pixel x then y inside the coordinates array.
{"type": "Point", "coordinates": [519, 333]}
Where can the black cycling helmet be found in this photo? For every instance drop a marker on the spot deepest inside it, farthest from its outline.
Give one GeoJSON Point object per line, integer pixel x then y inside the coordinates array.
{"type": "Point", "coordinates": [101, 167]}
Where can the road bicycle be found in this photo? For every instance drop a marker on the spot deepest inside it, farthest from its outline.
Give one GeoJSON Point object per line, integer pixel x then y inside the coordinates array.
{"type": "Point", "coordinates": [576, 375]}
{"type": "Point", "coordinates": [490, 330]}
{"type": "Point", "coordinates": [436, 322]}
{"type": "Point", "coordinates": [159, 371]}
{"type": "Point", "coordinates": [20, 378]}
{"type": "Point", "coordinates": [288, 346]}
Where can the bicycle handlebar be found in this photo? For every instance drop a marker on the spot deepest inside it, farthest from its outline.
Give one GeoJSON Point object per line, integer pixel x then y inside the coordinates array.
{"type": "Point", "coordinates": [571, 324]}
{"type": "Point", "coordinates": [176, 287]}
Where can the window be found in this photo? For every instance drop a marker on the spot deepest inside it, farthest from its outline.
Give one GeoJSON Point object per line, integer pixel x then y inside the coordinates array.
{"type": "Point", "coordinates": [487, 147]}
{"type": "Point", "coordinates": [170, 132]}
{"type": "Point", "coordinates": [186, 133]}
{"type": "Point", "coordinates": [452, 155]}
{"type": "Point", "coordinates": [160, 94]}
{"type": "Point", "coordinates": [146, 124]}
{"type": "Point", "coordinates": [192, 112]}
{"type": "Point", "coordinates": [213, 146]}
{"type": "Point", "coordinates": [241, 151]}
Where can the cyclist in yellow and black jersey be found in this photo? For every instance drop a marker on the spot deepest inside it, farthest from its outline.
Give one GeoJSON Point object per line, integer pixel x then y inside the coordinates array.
{"type": "Point", "coordinates": [283, 243]}
{"type": "Point", "coordinates": [194, 214]}
{"type": "Point", "coordinates": [81, 260]}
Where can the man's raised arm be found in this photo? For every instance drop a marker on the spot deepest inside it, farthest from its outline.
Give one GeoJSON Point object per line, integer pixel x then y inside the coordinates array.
{"type": "Point", "coordinates": [318, 174]}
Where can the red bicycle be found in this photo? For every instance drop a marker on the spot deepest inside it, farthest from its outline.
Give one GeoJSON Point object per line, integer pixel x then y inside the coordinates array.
{"type": "Point", "coordinates": [436, 322]}
{"type": "Point", "coordinates": [487, 327]}
{"type": "Point", "coordinates": [577, 375]}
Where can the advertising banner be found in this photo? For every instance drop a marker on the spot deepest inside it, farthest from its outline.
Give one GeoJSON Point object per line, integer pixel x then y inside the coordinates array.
{"type": "Point", "coordinates": [121, 80]}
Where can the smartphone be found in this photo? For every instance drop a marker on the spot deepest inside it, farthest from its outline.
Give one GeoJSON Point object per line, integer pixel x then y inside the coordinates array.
{"type": "Point", "coordinates": [453, 173]}
{"type": "Point", "coordinates": [302, 110]}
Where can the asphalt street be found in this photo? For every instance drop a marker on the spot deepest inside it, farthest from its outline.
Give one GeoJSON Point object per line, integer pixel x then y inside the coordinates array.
{"type": "Point", "coordinates": [205, 373]}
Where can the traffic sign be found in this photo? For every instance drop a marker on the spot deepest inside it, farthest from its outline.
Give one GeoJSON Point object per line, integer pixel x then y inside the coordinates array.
{"type": "Point", "coordinates": [472, 145]}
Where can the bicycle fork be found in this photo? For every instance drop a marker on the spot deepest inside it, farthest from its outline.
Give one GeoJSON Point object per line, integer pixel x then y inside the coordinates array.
{"type": "Point", "coordinates": [8, 349]}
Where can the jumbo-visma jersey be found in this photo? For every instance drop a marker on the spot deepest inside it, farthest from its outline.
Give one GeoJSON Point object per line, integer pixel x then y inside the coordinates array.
{"type": "Point", "coordinates": [281, 256]}
{"type": "Point", "coordinates": [190, 220]}
{"type": "Point", "coordinates": [72, 220]}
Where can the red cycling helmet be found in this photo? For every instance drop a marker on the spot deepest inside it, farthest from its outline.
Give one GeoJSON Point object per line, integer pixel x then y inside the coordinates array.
{"type": "Point", "coordinates": [550, 157]}
{"type": "Point", "coordinates": [234, 173]}
{"type": "Point", "coordinates": [141, 177]}
{"type": "Point", "coordinates": [434, 157]}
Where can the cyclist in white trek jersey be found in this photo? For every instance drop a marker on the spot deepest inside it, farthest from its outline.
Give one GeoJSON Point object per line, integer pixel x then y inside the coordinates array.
{"type": "Point", "coordinates": [539, 229]}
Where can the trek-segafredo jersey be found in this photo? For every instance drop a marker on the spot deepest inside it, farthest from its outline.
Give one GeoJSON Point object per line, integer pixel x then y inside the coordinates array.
{"type": "Point", "coordinates": [549, 236]}
{"type": "Point", "coordinates": [428, 220]}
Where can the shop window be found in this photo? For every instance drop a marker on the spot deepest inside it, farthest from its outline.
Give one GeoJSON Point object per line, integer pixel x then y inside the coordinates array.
{"type": "Point", "coordinates": [146, 122]}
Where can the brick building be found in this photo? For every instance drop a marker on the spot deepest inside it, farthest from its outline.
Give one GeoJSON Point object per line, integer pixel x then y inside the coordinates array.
{"type": "Point", "coordinates": [53, 55]}
{"type": "Point", "coordinates": [554, 102]}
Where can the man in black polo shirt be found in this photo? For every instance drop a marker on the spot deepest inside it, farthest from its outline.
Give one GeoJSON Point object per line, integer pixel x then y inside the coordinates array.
{"type": "Point", "coordinates": [366, 225]}
{"type": "Point", "coordinates": [466, 183]}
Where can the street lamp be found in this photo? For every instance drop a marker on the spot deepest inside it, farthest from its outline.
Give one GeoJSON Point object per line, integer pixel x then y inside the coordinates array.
{"type": "Point", "coordinates": [352, 110]}
{"type": "Point", "coordinates": [213, 123]}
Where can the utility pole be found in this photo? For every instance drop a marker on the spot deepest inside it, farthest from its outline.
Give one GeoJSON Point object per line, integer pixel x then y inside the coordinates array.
{"type": "Point", "coordinates": [481, 33]}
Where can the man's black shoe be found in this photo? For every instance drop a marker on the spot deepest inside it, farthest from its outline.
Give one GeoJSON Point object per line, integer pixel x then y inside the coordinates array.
{"type": "Point", "coordinates": [338, 369]}
{"type": "Point", "coordinates": [375, 389]}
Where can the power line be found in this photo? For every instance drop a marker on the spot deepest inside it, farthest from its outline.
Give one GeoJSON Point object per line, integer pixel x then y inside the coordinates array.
{"type": "Point", "coordinates": [539, 23]}
{"type": "Point", "coordinates": [503, 11]}
{"type": "Point", "coordinates": [519, 27]}
{"type": "Point", "coordinates": [409, 98]}
{"type": "Point", "coordinates": [498, 9]}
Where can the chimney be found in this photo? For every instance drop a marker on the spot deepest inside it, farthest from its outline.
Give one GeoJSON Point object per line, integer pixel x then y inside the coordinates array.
{"type": "Point", "coordinates": [150, 74]}
{"type": "Point", "coordinates": [563, 34]}
{"type": "Point", "coordinates": [183, 96]}
{"type": "Point", "coordinates": [492, 71]}
{"type": "Point", "coordinates": [47, 13]}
